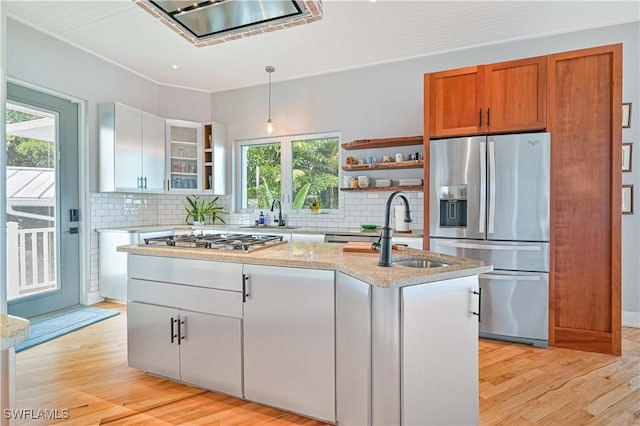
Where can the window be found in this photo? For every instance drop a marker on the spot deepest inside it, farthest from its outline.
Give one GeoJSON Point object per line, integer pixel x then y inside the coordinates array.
{"type": "Point", "coordinates": [294, 169]}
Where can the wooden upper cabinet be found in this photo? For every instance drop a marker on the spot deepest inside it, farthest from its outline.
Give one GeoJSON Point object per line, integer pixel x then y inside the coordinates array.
{"type": "Point", "coordinates": [455, 100]}
{"type": "Point", "coordinates": [515, 95]}
{"type": "Point", "coordinates": [496, 98]}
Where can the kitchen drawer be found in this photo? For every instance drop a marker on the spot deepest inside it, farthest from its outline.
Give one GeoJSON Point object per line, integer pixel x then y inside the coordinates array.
{"type": "Point", "coordinates": [202, 273]}
{"type": "Point", "coordinates": [198, 299]}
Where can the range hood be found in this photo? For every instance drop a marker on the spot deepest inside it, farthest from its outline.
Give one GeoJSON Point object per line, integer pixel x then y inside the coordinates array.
{"type": "Point", "coordinates": [230, 19]}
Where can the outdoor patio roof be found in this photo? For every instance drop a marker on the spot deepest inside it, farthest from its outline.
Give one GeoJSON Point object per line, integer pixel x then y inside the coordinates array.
{"type": "Point", "coordinates": [33, 186]}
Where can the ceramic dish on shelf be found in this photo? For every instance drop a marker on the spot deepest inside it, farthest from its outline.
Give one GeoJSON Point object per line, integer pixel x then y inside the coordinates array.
{"type": "Point", "coordinates": [368, 227]}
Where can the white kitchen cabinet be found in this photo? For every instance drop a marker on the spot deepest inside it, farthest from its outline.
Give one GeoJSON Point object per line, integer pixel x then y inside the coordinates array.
{"type": "Point", "coordinates": [132, 149]}
{"type": "Point", "coordinates": [149, 342]}
{"type": "Point", "coordinates": [440, 356]}
{"type": "Point", "coordinates": [191, 333]}
{"type": "Point", "coordinates": [211, 354]}
{"type": "Point", "coordinates": [289, 339]}
{"type": "Point", "coordinates": [184, 162]}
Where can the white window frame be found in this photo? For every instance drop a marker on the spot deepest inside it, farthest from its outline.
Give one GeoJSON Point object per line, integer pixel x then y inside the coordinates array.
{"type": "Point", "coordinates": [286, 178]}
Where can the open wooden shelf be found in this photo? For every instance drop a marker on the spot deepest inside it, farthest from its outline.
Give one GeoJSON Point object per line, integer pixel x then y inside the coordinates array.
{"type": "Point", "coordinates": [383, 143]}
{"type": "Point", "coordinates": [413, 164]}
{"type": "Point", "coordinates": [387, 188]}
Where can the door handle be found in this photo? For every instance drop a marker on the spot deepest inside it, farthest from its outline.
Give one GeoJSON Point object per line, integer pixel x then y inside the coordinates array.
{"type": "Point", "coordinates": [480, 118]}
{"type": "Point", "coordinates": [492, 188]}
{"type": "Point", "coordinates": [488, 117]}
{"type": "Point", "coordinates": [245, 287]}
{"type": "Point", "coordinates": [510, 277]}
{"type": "Point", "coordinates": [483, 187]}
{"type": "Point", "coordinates": [173, 333]}
{"type": "Point", "coordinates": [144, 182]}
{"type": "Point", "coordinates": [459, 244]}
{"type": "Point", "coordinates": [181, 335]}
{"type": "Point", "coordinates": [479, 313]}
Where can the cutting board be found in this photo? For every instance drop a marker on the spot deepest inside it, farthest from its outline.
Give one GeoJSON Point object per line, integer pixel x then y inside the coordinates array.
{"type": "Point", "coordinates": [365, 247]}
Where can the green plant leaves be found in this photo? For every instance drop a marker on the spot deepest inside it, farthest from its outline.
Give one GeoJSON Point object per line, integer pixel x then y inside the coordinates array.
{"type": "Point", "coordinates": [301, 196]}
{"type": "Point", "coordinates": [200, 209]}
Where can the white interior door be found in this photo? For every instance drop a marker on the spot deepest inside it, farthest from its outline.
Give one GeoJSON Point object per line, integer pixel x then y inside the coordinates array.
{"type": "Point", "coordinates": [42, 202]}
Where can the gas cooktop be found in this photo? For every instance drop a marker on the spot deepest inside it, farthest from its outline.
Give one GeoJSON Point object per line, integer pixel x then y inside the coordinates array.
{"type": "Point", "coordinates": [226, 242]}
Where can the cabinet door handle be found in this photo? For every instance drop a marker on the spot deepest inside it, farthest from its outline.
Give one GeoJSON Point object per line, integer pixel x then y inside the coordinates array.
{"type": "Point", "coordinates": [479, 313]}
{"type": "Point", "coordinates": [245, 287]}
{"type": "Point", "coordinates": [144, 182]}
{"type": "Point", "coordinates": [480, 118]}
{"type": "Point", "coordinates": [181, 334]}
{"type": "Point", "coordinates": [173, 333]}
{"type": "Point", "coordinates": [139, 180]}
{"type": "Point", "coordinates": [488, 117]}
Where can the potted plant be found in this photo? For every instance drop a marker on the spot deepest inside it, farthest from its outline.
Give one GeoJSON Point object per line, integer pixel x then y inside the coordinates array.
{"type": "Point", "coordinates": [198, 210]}
{"type": "Point", "coordinates": [315, 205]}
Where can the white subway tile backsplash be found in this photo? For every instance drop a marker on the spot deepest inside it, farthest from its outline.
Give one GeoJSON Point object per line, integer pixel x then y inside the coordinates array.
{"type": "Point", "coordinates": [125, 210]}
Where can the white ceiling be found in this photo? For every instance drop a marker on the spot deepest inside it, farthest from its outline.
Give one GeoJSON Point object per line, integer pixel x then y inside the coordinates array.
{"type": "Point", "coordinates": [351, 34]}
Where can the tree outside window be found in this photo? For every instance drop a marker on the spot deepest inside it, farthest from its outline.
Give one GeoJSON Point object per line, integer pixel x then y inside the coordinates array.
{"type": "Point", "coordinates": [304, 168]}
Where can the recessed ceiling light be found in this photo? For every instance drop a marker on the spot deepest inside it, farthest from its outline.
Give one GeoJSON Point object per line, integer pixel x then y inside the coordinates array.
{"type": "Point", "coordinates": [174, 66]}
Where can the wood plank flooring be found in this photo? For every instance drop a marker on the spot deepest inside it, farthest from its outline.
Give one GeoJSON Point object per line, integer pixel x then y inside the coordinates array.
{"type": "Point", "coordinates": [86, 372]}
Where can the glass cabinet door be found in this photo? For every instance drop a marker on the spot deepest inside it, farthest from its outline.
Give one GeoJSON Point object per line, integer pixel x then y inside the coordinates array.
{"type": "Point", "coordinates": [184, 144]}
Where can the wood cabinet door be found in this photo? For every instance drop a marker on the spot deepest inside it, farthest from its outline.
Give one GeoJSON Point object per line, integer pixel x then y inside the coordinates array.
{"type": "Point", "coordinates": [585, 98]}
{"type": "Point", "coordinates": [515, 95]}
{"type": "Point", "coordinates": [455, 102]}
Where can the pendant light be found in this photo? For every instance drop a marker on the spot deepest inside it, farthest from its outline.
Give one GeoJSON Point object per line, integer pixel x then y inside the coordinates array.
{"type": "Point", "coordinates": [269, 69]}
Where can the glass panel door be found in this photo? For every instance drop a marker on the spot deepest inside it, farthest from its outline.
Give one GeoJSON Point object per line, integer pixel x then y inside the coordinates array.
{"type": "Point", "coordinates": [31, 202]}
{"type": "Point", "coordinates": [42, 202]}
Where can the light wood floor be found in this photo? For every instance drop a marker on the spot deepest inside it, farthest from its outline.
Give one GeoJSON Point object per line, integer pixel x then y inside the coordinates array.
{"type": "Point", "coordinates": [86, 372]}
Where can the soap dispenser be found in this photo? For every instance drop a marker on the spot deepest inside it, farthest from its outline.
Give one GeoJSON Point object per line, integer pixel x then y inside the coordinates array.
{"type": "Point", "coordinates": [261, 219]}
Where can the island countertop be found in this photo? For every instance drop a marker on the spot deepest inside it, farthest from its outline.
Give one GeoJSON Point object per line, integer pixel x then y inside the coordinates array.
{"type": "Point", "coordinates": [13, 330]}
{"type": "Point", "coordinates": [363, 266]}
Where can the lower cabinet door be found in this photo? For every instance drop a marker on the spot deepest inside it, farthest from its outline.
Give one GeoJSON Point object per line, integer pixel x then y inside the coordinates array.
{"type": "Point", "coordinates": [289, 339]}
{"type": "Point", "coordinates": [149, 339]}
{"type": "Point", "coordinates": [210, 353]}
{"type": "Point", "coordinates": [440, 353]}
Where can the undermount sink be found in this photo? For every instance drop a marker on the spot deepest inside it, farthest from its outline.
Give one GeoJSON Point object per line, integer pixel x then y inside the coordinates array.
{"type": "Point", "coordinates": [269, 227]}
{"type": "Point", "coordinates": [419, 263]}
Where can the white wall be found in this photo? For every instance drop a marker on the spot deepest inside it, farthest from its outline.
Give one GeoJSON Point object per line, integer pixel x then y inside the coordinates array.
{"type": "Point", "coordinates": [387, 100]}
{"type": "Point", "coordinates": [36, 58]}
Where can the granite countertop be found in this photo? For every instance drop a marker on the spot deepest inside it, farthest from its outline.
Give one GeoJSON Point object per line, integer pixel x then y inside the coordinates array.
{"type": "Point", "coordinates": [262, 229]}
{"type": "Point", "coordinates": [13, 330]}
{"type": "Point", "coordinates": [363, 266]}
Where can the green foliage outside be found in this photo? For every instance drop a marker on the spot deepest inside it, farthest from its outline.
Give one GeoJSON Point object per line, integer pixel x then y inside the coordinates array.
{"type": "Point", "coordinates": [315, 173]}
{"type": "Point", "coordinates": [27, 152]}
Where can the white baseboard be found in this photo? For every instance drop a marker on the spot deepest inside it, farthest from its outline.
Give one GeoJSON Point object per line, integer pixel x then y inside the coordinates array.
{"type": "Point", "coordinates": [631, 319]}
{"type": "Point", "coordinates": [92, 297]}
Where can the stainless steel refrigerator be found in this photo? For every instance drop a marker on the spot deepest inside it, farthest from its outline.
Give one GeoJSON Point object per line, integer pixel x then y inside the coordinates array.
{"type": "Point", "coordinates": [489, 200]}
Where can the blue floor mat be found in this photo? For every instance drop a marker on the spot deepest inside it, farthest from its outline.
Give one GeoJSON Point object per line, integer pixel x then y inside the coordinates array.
{"type": "Point", "coordinates": [63, 323]}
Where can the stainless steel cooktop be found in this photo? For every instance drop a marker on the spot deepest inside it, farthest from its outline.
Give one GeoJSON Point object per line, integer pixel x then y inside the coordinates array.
{"type": "Point", "coordinates": [227, 242]}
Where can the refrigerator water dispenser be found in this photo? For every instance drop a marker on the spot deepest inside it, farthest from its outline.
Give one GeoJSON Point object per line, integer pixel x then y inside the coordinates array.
{"type": "Point", "coordinates": [453, 205]}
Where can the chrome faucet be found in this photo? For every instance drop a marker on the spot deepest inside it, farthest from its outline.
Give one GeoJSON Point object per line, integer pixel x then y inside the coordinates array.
{"type": "Point", "coordinates": [280, 220]}
{"type": "Point", "coordinates": [384, 243]}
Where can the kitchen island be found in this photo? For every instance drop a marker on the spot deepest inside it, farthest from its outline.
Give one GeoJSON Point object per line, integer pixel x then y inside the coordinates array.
{"type": "Point", "coordinates": [309, 328]}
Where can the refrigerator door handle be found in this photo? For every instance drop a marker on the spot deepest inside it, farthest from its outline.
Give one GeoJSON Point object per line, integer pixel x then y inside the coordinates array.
{"type": "Point", "coordinates": [483, 187]}
{"type": "Point", "coordinates": [459, 244]}
{"type": "Point", "coordinates": [511, 277]}
{"type": "Point", "coordinates": [492, 187]}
